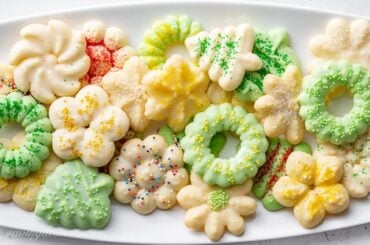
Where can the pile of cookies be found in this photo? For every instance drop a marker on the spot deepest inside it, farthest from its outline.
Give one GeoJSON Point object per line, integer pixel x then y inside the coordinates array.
{"type": "Point", "coordinates": [89, 107]}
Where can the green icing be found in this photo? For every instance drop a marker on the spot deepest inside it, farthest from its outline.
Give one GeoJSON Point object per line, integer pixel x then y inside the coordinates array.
{"type": "Point", "coordinates": [19, 162]}
{"type": "Point", "coordinates": [172, 30]}
{"type": "Point", "coordinates": [75, 196]}
{"type": "Point", "coordinates": [274, 168]}
{"type": "Point", "coordinates": [318, 120]}
{"type": "Point", "coordinates": [274, 51]}
{"type": "Point", "coordinates": [224, 118]}
{"type": "Point", "coordinates": [218, 200]}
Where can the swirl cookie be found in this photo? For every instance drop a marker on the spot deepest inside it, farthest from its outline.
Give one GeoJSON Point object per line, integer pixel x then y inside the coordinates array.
{"type": "Point", "coordinates": [343, 40]}
{"type": "Point", "coordinates": [125, 90]}
{"type": "Point", "coordinates": [6, 80]}
{"type": "Point", "coordinates": [273, 169]}
{"type": "Point", "coordinates": [148, 174]}
{"type": "Point", "coordinates": [224, 172]}
{"type": "Point", "coordinates": [273, 49]}
{"type": "Point", "coordinates": [318, 120]}
{"type": "Point", "coordinates": [312, 187]}
{"type": "Point", "coordinates": [75, 196]}
{"type": "Point", "coordinates": [106, 47]}
{"type": "Point", "coordinates": [226, 54]}
{"type": "Point", "coordinates": [49, 60]}
{"type": "Point", "coordinates": [24, 191]}
{"type": "Point", "coordinates": [165, 32]}
{"type": "Point", "coordinates": [279, 108]}
{"type": "Point", "coordinates": [176, 92]}
{"type": "Point", "coordinates": [213, 209]}
{"type": "Point", "coordinates": [20, 160]}
{"type": "Point", "coordinates": [87, 126]}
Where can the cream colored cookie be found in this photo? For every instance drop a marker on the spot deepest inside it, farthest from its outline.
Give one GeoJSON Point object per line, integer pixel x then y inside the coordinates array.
{"type": "Point", "coordinates": [6, 79]}
{"type": "Point", "coordinates": [176, 92]}
{"type": "Point", "coordinates": [226, 54]}
{"type": "Point", "coordinates": [149, 173]}
{"type": "Point", "coordinates": [355, 158]}
{"type": "Point", "coordinates": [87, 126]}
{"type": "Point", "coordinates": [49, 60]}
{"type": "Point", "coordinates": [279, 108]}
{"type": "Point", "coordinates": [214, 210]}
{"type": "Point", "coordinates": [126, 91]}
{"type": "Point", "coordinates": [312, 187]}
{"type": "Point", "coordinates": [343, 40]}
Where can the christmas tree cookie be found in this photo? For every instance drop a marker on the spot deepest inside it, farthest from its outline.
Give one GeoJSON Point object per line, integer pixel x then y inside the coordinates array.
{"type": "Point", "coordinates": [274, 51]}
{"type": "Point", "coordinates": [75, 196]}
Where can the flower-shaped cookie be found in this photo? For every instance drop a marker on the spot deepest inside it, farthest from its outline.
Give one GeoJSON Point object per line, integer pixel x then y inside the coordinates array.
{"type": "Point", "coordinates": [213, 209]}
{"type": "Point", "coordinates": [87, 126]}
{"type": "Point", "coordinates": [126, 91]}
{"type": "Point", "coordinates": [343, 40]}
{"type": "Point", "coordinates": [106, 48]}
{"type": "Point", "coordinates": [226, 54]}
{"type": "Point", "coordinates": [312, 187]}
{"type": "Point", "coordinates": [24, 191]}
{"type": "Point", "coordinates": [49, 61]}
{"type": "Point", "coordinates": [176, 92]}
{"type": "Point", "coordinates": [355, 158]}
{"type": "Point", "coordinates": [279, 108]}
{"type": "Point", "coordinates": [149, 173]}
{"type": "Point", "coordinates": [6, 80]}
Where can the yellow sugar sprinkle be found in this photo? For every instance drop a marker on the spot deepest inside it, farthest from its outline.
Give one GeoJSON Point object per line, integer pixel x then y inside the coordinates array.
{"type": "Point", "coordinates": [90, 103]}
{"type": "Point", "coordinates": [68, 121]}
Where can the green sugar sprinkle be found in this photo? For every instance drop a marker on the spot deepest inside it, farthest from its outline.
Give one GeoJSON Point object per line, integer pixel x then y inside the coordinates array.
{"type": "Point", "coordinates": [218, 200]}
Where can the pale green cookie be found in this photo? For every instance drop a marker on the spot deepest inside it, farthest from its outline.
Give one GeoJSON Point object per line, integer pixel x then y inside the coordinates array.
{"type": "Point", "coordinates": [318, 120]}
{"type": "Point", "coordinates": [172, 30]}
{"type": "Point", "coordinates": [75, 196]}
{"type": "Point", "coordinates": [274, 51]}
{"type": "Point", "coordinates": [223, 118]}
{"type": "Point", "coordinates": [20, 161]}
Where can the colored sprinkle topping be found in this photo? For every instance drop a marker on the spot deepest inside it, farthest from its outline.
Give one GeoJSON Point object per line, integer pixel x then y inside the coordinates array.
{"type": "Point", "coordinates": [218, 200]}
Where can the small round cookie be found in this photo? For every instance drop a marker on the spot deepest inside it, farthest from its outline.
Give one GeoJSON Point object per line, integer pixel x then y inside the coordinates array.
{"type": "Point", "coordinates": [343, 40]}
{"type": "Point", "coordinates": [125, 90]}
{"type": "Point", "coordinates": [312, 187]}
{"type": "Point", "coordinates": [176, 92]}
{"type": "Point", "coordinates": [318, 120]}
{"type": "Point", "coordinates": [86, 126]}
{"type": "Point", "coordinates": [75, 196]}
{"type": "Point", "coordinates": [273, 169]}
{"type": "Point", "coordinates": [279, 108]}
{"type": "Point", "coordinates": [224, 172]}
{"type": "Point", "coordinates": [49, 61]}
{"type": "Point", "coordinates": [6, 80]}
{"type": "Point", "coordinates": [273, 49]}
{"type": "Point", "coordinates": [214, 209]}
{"type": "Point", "coordinates": [148, 174]}
{"type": "Point", "coordinates": [226, 54]}
{"type": "Point", "coordinates": [165, 32]}
{"type": "Point", "coordinates": [106, 47]}
{"type": "Point", "coordinates": [19, 161]}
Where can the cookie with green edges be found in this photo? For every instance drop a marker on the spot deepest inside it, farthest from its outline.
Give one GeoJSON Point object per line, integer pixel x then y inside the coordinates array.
{"type": "Point", "coordinates": [166, 32]}
{"type": "Point", "coordinates": [224, 118]}
{"type": "Point", "coordinates": [327, 127]}
{"type": "Point", "coordinates": [24, 110]}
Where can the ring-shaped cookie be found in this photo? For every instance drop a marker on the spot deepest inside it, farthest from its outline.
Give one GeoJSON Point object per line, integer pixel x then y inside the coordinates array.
{"type": "Point", "coordinates": [19, 161]}
{"type": "Point", "coordinates": [318, 120]}
{"type": "Point", "coordinates": [165, 32]}
{"type": "Point", "coordinates": [218, 171]}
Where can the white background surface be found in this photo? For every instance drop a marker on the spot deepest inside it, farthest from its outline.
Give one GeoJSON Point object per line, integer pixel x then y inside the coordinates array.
{"type": "Point", "coordinates": [17, 8]}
